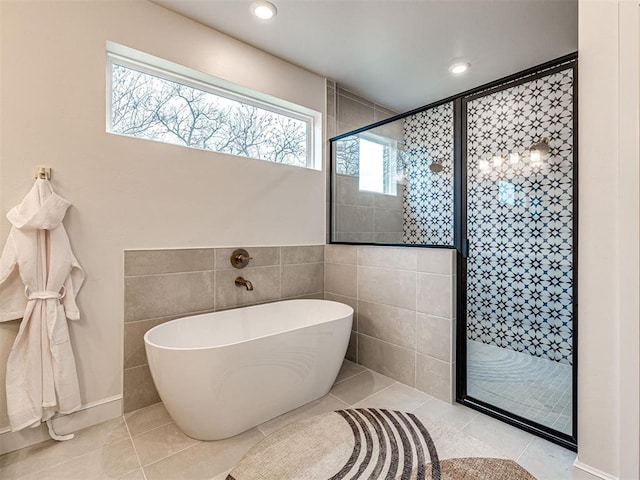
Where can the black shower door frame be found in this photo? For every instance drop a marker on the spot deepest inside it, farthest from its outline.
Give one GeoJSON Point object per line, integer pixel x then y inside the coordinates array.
{"type": "Point", "coordinates": [461, 242]}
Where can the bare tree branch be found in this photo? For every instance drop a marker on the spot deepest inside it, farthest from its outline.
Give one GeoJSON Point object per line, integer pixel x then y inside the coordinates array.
{"type": "Point", "coordinates": [150, 107]}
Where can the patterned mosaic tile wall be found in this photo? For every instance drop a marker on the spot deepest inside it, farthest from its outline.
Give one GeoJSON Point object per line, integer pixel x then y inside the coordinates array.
{"type": "Point", "coordinates": [520, 219]}
{"type": "Point", "coordinates": [428, 196]}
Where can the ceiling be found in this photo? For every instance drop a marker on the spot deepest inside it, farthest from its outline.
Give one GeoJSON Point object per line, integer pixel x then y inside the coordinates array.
{"type": "Point", "coordinates": [397, 52]}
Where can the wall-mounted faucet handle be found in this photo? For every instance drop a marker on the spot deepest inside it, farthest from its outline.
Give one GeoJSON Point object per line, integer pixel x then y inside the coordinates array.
{"type": "Point", "coordinates": [240, 258]}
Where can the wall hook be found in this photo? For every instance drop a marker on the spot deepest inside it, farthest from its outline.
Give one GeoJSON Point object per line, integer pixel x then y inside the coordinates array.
{"type": "Point", "coordinates": [42, 172]}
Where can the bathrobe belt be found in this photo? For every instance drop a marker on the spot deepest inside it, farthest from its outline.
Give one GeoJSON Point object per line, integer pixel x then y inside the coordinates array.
{"type": "Point", "coordinates": [43, 295]}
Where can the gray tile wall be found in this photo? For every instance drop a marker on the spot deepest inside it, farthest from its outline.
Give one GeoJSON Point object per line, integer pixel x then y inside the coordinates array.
{"type": "Point", "coordinates": [162, 285]}
{"type": "Point", "coordinates": [404, 299]}
{"type": "Point", "coordinates": [378, 221]}
{"type": "Point", "coordinates": [367, 217]}
{"type": "Point", "coordinates": [353, 111]}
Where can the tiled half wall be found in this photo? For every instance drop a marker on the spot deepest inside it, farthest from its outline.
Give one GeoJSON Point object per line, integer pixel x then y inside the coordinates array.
{"type": "Point", "coordinates": [366, 217]}
{"type": "Point", "coordinates": [162, 285]}
{"type": "Point", "coordinates": [404, 299]}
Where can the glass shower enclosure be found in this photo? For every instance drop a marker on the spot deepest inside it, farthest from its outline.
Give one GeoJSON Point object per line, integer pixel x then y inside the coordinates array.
{"type": "Point", "coordinates": [519, 234]}
{"type": "Point", "coordinates": [491, 172]}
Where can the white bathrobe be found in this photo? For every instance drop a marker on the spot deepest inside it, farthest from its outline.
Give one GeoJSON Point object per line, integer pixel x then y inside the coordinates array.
{"type": "Point", "coordinates": [39, 280]}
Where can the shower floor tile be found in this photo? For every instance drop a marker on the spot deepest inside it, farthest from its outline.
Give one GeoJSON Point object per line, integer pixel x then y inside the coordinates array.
{"type": "Point", "coordinates": [534, 388]}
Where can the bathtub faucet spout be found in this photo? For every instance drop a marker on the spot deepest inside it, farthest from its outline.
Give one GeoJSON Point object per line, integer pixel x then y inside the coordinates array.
{"type": "Point", "coordinates": [241, 282]}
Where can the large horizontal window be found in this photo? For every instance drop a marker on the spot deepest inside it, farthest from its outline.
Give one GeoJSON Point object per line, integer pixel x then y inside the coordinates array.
{"type": "Point", "coordinates": [157, 104]}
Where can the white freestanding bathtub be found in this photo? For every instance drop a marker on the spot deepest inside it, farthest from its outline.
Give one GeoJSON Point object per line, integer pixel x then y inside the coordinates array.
{"type": "Point", "coordinates": [222, 373]}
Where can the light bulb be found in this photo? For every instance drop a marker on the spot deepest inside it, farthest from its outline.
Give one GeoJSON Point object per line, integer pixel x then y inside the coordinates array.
{"type": "Point", "coordinates": [483, 165]}
{"type": "Point", "coordinates": [540, 151]}
{"type": "Point", "coordinates": [263, 10]}
{"type": "Point", "coordinates": [514, 158]}
{"type": "Point", "coordinates": [497, 161]}
{"type": "Point", "coordinates": [536, 158]}
{"type": "Point", "coordinates": [458, 67]}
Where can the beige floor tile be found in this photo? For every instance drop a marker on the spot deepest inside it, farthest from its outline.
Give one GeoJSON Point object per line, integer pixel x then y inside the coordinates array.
{"type": "Point", "coordinates": [395, 397]}
{"type": "Point", "coordinates": [507, 439]}
{"type": "Point", "coordinates": [547, 461]}
{"type": "Point", "coordinates": [47, 454]}
{"type": "Point", "coordinates": [204, 460]}
{"type": "Point", "coordinates": [148, 418]}
{"type": "Point", "coordinates": [103, 434]}
{"type": "Point", "coordinates": [328, 403]}
{"type": "Point", "coordinates": [161, 442]}
{"type": "Point", "coordinates": [32, 459]}
{"type": "Point", "coordinates": [360, 386]}
{"type": "Point", "coordinates": [105, 451]}
{"type": "Point", "coordinates": [135, 475]}
{"type": "Point", "coordinates": [452, 442]}
{"type": "Point", "coordinates": [348, 370]}
{"type": "Point", "coordinates": [112, 461]}
{"type": "Point", "coordinates": [222, 476]}
{"type": "Point", "coordinates": [452, 414]}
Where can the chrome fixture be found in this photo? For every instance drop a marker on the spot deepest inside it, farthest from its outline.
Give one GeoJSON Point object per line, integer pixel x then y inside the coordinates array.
{"type": "Point", "coordinates": [240, 258]}
{"type": "Point", "coordinates": [241, 282]}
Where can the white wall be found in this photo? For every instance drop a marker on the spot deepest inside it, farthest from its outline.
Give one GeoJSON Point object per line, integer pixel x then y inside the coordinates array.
{"type": "Point", "coordinates": [608, 283]}
{"type": "Point", "coordinates": [128, 193]}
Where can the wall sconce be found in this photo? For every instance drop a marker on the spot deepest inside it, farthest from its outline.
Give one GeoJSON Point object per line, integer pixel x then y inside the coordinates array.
{"type": "Point", "coordinates": [539, 151]}
{"type": "Point", "coordinates": [537, 154]}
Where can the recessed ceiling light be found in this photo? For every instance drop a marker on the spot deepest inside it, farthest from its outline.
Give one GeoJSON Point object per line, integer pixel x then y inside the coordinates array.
{"type": "Point", "coordinates": [263, 10]}
{"type": "Point", "coordinates": [458, 67]}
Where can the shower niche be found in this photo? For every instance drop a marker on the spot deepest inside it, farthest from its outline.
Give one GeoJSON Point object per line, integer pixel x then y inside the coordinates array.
{"type": "Point", "coordinates": [491, 172]}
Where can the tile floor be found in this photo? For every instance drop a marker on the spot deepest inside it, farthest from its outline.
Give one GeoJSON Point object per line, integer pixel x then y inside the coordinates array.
{"type": "Point", "coordinates": [146, 444]}
{"type": "Point", "coordinates": [532, 387]}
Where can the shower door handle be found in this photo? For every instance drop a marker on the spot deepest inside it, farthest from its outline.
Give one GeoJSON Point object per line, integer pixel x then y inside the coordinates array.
{"type": "Point", "coordinates": [465, 248]}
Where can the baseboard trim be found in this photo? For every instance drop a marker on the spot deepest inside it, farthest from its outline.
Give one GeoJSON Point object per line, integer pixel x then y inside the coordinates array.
{"type": "Point", "coordinates": [592, 471]}
{"type": "Point", "coordinates": [89, 414]}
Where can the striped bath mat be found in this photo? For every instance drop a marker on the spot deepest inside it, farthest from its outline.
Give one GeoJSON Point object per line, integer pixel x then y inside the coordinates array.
{"type": "Point", "coordinates": [369, 443]}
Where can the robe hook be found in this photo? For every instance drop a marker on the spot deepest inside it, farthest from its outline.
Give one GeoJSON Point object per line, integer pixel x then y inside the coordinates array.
{"type": "Point", "coordinates": [43, 173]}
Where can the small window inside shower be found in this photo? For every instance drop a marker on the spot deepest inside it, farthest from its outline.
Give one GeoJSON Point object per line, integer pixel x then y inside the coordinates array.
{"type": "Point", "coordinates": [377, 162]}
{"type": "Point", "coordinates": [154, 99]}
